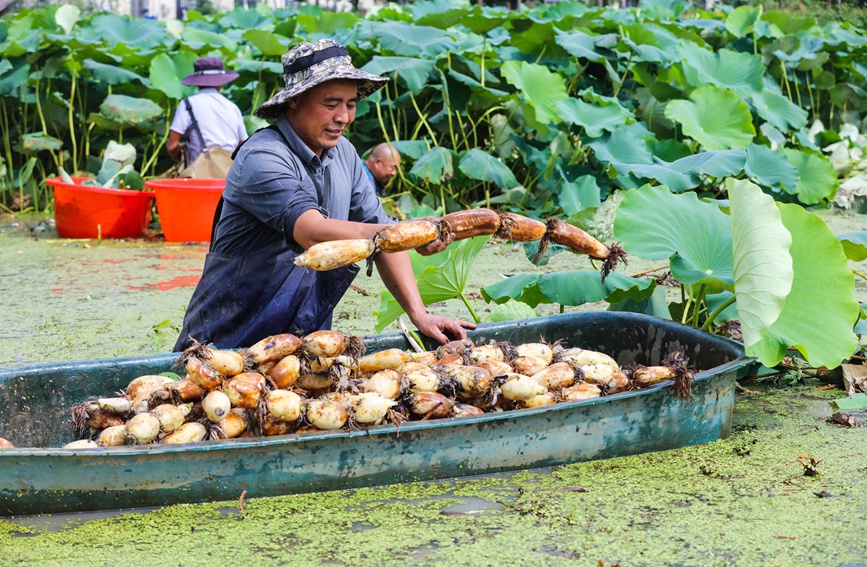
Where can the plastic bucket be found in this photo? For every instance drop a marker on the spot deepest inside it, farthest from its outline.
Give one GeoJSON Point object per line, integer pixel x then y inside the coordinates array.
{"type": "Point", "coordinates": [82, 211]}
{"type": "Point", "coordinates": [186, 207]}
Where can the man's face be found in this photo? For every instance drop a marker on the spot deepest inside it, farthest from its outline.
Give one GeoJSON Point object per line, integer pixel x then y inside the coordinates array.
{"type": "Point", "coordinates": [384, 167]}
{"type": "Point", "coordinates": [320, 115]}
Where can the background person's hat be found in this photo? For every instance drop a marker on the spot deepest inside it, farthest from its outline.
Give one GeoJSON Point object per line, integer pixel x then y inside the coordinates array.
{"type": "Point", "coordinates": [209, 72]}
{"type": "Point", "coordinates": [309, 64]}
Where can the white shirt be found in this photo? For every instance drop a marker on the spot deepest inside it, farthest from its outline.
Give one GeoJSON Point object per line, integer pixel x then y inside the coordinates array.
{"type": "Point", "coordinates": [219, 120]}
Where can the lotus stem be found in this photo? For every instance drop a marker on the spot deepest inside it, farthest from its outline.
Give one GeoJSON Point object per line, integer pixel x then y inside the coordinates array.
{"type": "Point", "coordinates": [470, 307]}
{"type": "Point", "coordinates": [860, 274]}
{"type": "Point", "coordinates": [722, 307]}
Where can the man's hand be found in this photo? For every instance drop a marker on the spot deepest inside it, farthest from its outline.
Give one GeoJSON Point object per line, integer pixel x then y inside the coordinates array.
{"type": "Point", "coordinates": [435, 326]}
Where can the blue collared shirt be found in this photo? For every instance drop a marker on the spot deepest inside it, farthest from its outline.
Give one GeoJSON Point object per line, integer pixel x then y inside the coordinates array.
{"type": "Point", "coordinates": [270, 185]}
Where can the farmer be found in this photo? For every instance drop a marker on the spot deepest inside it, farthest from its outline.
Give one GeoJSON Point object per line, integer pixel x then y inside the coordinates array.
{"type": "Point", "coordinates": [294, 184]}
{"type": "Point", "coordinates": [381, 165]}
{"type": "Point", "coordinates": [206, 119]}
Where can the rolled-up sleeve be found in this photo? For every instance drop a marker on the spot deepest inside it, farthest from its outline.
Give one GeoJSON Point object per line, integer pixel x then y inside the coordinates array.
{"type": "Point", "coordinates": [272, 189]}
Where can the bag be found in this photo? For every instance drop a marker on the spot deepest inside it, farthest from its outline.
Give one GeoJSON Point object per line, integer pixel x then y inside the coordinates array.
{"type": "Point", "coordinates": [211, 163]}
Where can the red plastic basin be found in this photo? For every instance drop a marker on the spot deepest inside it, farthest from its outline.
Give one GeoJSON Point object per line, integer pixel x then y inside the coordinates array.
{"type": "Point", "coordinates": [81, 211]}
{"type": "Point", "coordinates": [186, 207]}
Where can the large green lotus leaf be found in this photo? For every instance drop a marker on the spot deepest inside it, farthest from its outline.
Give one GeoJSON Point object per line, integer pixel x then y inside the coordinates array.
{"type": "Point", "coordinates": [576, 196]}
{"type": "Point", "coordinates": [655, 224]}
{"type": "Point", "coordinates": [821, 309]}
{"type": "Point", "coordinates": [684, 174]}
{"type": "Point", "coordinates": [436, 281]}
{"type": "Point", "coordinates": [67, 16]}
{"type": "Point", "coordinates": [38, 141]}
{"type": "Point", "coordinates": [854, 245]}
{"type": "Point", "coordinates": [532, 36]}
{"type": "Point", "coordinates": [414, 72]}
{"type": "Point", "coordinates": [401, 38]}
{"type": "Point", "coordinates": [482, 90]}
{"type": "Point", "coordinates": [627, 145]}
{"type": "Point", "coordinates": [328, 23]}
{"type": "Point", "coordinates": [741, 20]}
{"type": "Point", "coordinates": [255, 67]}
{"type": "Point", "coordinates": [414, 149]}
{"type": "Point", "coordinates": [111, 74]}
{"type": "Point", "coordinates": [13, 73]}
{"type": "Point", "coordinates": [656, 305]}
{"type": "Point", "coordinates": [779, 111]}
{"type": "Point", "coordinates": [568, 288]}
{"type": "Point", "coordinates": [817, 180]}
{"type": "Point", "coordinates": [166, 73]}
{"type": "Point", "coordinates": [477, 164]}
{"type": "Point", "coordinates": [436, 166]}
{"type": "Point", "coordinates": [198, 38]}
{"type": "Point", "coordinates": [246, 20]}
{"type": "Point", "coordinates": [267, 42]}
{"type": "Point", "coordinates": [770, 168]}
{"type": "Point", "coordinates": [481, 20]}
{"type": "Point", "coordinates": [441, 14]}
{"type": "Point", "coordinates": [520, 287]}
{"type": "Point", "coordinates": [716, 118]}
{"type": "Point", "coordinates": [720, 163]}
{"type": "Point", "coordinates": [510, 311]}
{"type": "Point", "coordinates": [762, 264]}
{"type": "Point", "coordinates": [586, 286]}
{"type": "Point", "coordinates": [137, 33]}
{"type": "Point", "coordinates": [579, 44]}
{"type": "Point", "coordinates": [540, 86]}
{"type": "Point", "coordinates": [594, 118]}
{"type": "Point", "coordinates": [677, 181]}
{"type": "Point", "coordinates": [128, 109]}
{"type": "Point", "coordinates": [733, 70]}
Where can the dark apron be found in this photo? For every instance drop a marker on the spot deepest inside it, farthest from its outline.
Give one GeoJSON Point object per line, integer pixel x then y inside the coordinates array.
{"type": "Point", "coordinates": [241, 300]}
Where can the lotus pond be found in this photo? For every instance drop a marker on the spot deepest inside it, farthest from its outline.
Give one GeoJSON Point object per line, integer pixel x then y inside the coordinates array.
{"type": "Point", "coordinates": [745, 500]}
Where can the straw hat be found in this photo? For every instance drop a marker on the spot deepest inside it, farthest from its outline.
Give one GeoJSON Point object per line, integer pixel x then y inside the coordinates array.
{"type": "Point", "coordinates": [209, 72]}
{"type": "Point", "coordinates": [309, 64]}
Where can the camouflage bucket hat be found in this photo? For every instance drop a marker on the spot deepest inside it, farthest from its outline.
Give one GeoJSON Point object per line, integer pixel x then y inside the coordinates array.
{"type": "Point", "coordinates": [309, 64]}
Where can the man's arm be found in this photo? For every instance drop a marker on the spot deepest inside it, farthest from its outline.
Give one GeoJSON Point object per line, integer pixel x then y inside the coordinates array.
{"type": "Point", "coordinates": [396, 272]}
{"type": "Point", "coordinates": [312, 228]}
{"type": "Point", "coordinates": [394, 269]}
{"type": "Point", "coordinates": [173, 145]}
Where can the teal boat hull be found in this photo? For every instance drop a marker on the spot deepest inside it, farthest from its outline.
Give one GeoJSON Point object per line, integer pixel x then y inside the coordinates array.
{"type": "Point", "coordinates": [35, 403]}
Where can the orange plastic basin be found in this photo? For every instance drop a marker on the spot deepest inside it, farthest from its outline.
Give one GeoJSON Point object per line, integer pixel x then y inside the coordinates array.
{"type": "Point", "coordinates": [186, 207]}
{"type": "Point", "coordinates": [81, 211]}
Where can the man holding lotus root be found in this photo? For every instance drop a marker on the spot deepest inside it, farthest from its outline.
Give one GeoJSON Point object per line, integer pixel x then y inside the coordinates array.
{"type": "Point", "coordinates": [294, 185]}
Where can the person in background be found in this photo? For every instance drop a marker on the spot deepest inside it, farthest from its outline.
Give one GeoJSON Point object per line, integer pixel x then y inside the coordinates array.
{"type": "Point", "coordinates": [219, 119]}
{"type": "Point", "coordinates": [294, 184]}
{"type": "Point", "coordinates": [381, 165]}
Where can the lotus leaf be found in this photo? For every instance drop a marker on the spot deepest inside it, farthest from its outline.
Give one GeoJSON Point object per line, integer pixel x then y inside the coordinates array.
{"type": "Point", "coordinates": [855, 245]}
{"type": "Point", "coordinates": [763, 271]}
{"type": "Point", "coordinates": [656, 224]}
{"type": "Point", "coordinates": [440, 277]}
{"type": "Point", "coordinates": [435, 166]}
{"type": "Point", "coordinates": [821, 310]}
{"type": "Point", "coordinates": [129, 110]}
{"type": "Point", "coordinates": [770, 168]}
{"type": "Point", "coordinates": [541, 87]}
{"type": "Point", "coordinates": [414, 72]}
{"type": "Point", "coordinates": [135, 33]}
{"type": "Point", "coordinates": [817, 180]}
{"type": "Point", "coordinates": [476, 164]}
{"type": "Point", "coordinates": [36, 142]}
{"type": "Point", "coordinates": [716, 118]}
